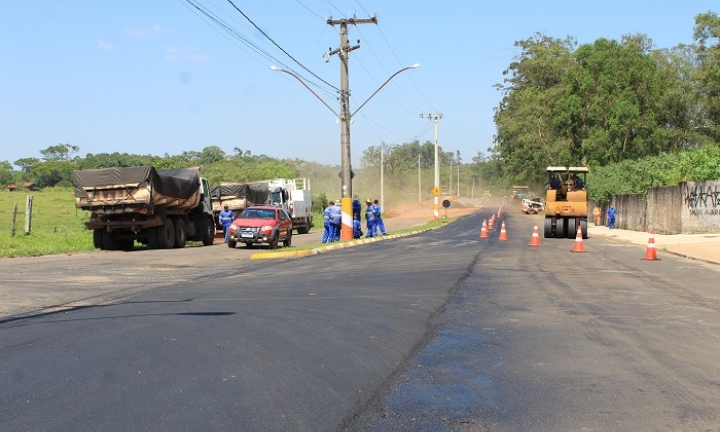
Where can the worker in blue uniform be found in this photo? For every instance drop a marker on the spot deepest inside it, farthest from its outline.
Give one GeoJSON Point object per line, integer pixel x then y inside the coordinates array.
{"type": "Point", "coordinates": [378, 218]}
{"type": "Point", "coordinates": [357, 227]}
{"type": "Point", "coordinates": [336, 220]}
{"type": "Point", "coordinates": [356, 207]}
{"type": "Point", "coordinates": [370, 219]}
{"type": "Point", "coordinates": [611, 217]}
{"type": "Point", "coordinates": [328, 235]}
{"type": "Point", "coordinates": [226, 218]}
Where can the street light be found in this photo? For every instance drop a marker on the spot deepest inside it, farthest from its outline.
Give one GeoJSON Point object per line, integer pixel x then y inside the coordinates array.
{"type": "Point", "coordinates": [345, 120]}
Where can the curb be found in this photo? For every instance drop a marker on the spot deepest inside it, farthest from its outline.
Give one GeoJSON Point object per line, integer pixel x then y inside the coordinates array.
{"type": "Point", "coordinates": [335, 246]}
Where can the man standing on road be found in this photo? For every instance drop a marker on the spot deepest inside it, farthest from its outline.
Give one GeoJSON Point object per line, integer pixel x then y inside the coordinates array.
{"type": "Point", "coordinates": [378, 218]}
{"type": "Point", "coordinates": [226, 217]}
{"type": "Point", "coordinates": [356, 207]}
{"type": "Point", "coordinates": [370, 219]}
{"type": "Point", "coordinates": [328, 234]}
{"type": "Point", "coordinates": [336, 220]}
{"type": "Point", "coordinates": [596, 215]}
{"type": "Point", "coordinates": [611, 217]}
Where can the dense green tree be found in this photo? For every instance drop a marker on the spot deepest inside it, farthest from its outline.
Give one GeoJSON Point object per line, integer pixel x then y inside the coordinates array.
{"type": "Point", "coordinates": [26, 163]}
{"type": "Point", "coordinates": [6, 172]}
{"type": "Point", "coordinates": [526, 140]}
{"type": "Point", "coordinates": [707, 35]}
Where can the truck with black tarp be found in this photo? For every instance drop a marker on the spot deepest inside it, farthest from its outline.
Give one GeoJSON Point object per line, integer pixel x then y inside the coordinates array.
{"type": "Point", "coordinates": [291, 194]}
{"type": "Point", "coordinates": [159, 208]}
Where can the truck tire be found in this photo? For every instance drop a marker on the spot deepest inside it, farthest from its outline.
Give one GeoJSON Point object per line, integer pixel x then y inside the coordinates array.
{"type": "Point", "coordinates": [109, 241]}
{"type": "Point", "coordinates": [304, 229]}
{"type": "Point", "coordinates": [166, 235]}
{"type": "Point", "coordinates": [583, 227]}
{"type": "Point", "coordinates": [98, 239]}
{"type": "Point", "coordinates": [180, 234]}
{"type": "Point", "coordinates": [209, 233]}
{"type": "Point", "coordinates": [232, 244]}
{"type": "Point", "coordinates": [152, 242]}
{"type": "Point", "coordinates": [548, 228]}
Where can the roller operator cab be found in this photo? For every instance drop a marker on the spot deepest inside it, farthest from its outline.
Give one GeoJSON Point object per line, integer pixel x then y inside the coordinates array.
{"type": "Point", "coordinates": [566, 203]}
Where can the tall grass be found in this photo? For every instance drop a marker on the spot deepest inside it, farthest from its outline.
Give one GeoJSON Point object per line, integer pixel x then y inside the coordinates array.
{"type": "Point", "coordinates": [57, 227]}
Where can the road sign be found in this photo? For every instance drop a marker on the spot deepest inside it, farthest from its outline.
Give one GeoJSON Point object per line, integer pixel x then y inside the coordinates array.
{"type": "Point", "coordinates": [436, 191]}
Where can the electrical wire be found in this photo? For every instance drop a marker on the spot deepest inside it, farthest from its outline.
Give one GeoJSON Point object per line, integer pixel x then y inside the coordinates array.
{"type": "Point", "coordinates": [279, 47]}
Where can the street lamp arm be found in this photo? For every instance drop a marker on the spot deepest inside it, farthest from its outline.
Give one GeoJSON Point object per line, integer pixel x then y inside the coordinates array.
{"type": "Point", "coordinates": [276, 69]}
{"type": "Point", "coordinates": [415, 66]}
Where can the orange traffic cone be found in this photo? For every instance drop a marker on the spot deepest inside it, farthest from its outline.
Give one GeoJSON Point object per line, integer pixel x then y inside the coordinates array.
{"type": "Point", "coordinates": [651, 253]}
{"type": "Point", "coordinates": [483, 229]}
{"type": "Point", "coordinates": [535, 240]}
{"type": "Point", "coordinates": [499, 212]}
{"type": "Point", "coordinates": [578, 242]}
{"type": "Point", "coordinates": [503, 233]}
{"type": "Point", "coordinates": [491, 223]}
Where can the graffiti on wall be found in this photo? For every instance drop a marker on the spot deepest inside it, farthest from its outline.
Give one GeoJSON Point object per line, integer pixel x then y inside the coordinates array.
{"type": "Point", "coordinates": [702, 199]}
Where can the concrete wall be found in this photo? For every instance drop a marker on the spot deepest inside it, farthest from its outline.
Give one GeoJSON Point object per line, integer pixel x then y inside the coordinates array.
{"type": "Point", "coordinates": [700, 209]}
{"type": "Point", "coordinates": [662, 215]}
{"type": "Point", "coordinates": [630, 211]}
{"type": "Point", "coordinates": [688, 208]}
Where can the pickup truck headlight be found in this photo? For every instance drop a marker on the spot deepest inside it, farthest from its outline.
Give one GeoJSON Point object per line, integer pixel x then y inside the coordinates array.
{"type": "Point", "coordinates": [267, 229]}
{"type": "Point", "coordinates": [232, 228]}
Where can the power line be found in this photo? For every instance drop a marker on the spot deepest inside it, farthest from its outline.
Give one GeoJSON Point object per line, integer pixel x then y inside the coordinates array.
{"type": "Point", "coordinates": [279, 47]}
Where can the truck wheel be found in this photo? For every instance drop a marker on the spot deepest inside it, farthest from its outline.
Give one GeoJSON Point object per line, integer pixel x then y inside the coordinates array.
{"type": "Point", "coordinates": [166, 235]}
{"type": "Point", "coordinates": [180, 234]}
{"type": "Point", "coordinates": [572, 226]}
{"type": "Point", "coordinates": [209, 234]}
{"type": "Point", "coordinates": [274, 242]}
{"type": "Point", "coordinates": [304, 229]}
{"type": "Point", "coordinates": [98, 239]}
{"type": "Point", "coordinates": [152, 242]}
{"type": "Point", "coordinates": [231, 244]}
{"type": "Point", "coordinates": [288, 239]}
{"type": "Point", "coordinates": [110, 242]}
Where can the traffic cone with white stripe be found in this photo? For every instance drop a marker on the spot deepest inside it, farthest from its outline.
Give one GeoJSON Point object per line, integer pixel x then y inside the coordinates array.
{"type": "Point", "coordinates": [483, 229]}
{"type": "Point", "coordinates": [578, 242]}
{"type": "Point", "coordinates": [491, 223]}
{"type": "Point", "coordinates": [503, 233]}
{"type": "Point", "coordinates": [535, 240]}
{"type": "Point", "coordinates": [650, 252]}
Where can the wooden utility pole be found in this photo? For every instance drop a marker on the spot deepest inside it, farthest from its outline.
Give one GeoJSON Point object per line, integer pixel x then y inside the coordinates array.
{"type": "Point", "coordinates": [436, 190]}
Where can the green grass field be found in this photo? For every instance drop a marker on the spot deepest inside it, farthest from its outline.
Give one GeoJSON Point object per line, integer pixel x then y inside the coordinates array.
{"type": "Point", "coordinates": [57, 227]}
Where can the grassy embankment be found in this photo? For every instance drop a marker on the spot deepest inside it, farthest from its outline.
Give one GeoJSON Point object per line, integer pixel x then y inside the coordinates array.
{"type": "Point", "coordinates": [57, 227]}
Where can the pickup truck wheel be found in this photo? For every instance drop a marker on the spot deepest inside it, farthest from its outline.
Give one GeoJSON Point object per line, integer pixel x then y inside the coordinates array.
{"type": "Point", "coordinates": [180, 234]}
{"type": "Point", "coordinates": [209, 235]}
{"type": "Point", "coordinates": [98, 239]}
{"type": "Point", "coordinates": [231, 244]}
{"type": "Point", "coordinates": [274, 242]}
{"type": "Point", "coordinates": [288, 239]}
{"type": "Point", "coordinates": [166, 235]}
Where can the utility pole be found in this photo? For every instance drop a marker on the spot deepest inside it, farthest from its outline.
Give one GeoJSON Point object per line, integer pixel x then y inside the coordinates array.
{"type": "Point", "coordinates": [419, 181]}
{"type": "Point", "coordinates": [450, 182]}
{"type": "Point", "coordinates": [458, 179]}
{"type": "Point", "coordinates": [346, 174]}
{"type": "Point", "coordinates": [382, 175]}
{"type": "Point", "coordinates": [436, 190]}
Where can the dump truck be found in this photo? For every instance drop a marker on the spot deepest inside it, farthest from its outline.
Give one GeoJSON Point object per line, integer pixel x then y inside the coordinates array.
{"type": "Point", "coordinates": [566, 204]}
{"type": "Point", "coordinates": [291, 194]}
{"type": "Point", "coordinates": [159, 208]}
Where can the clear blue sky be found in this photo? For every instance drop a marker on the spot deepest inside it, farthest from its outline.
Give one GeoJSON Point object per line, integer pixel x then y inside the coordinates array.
{"type": "Point", "coordinates": [155, 77]}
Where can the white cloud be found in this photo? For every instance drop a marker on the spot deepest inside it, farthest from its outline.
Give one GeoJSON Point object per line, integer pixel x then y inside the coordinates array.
{"type": "Point", "coordinates": [145, 33]}
{"type": "Point", "coordinates": [104, 44]}
{"type": "Point", "coordinates": [187, 53]}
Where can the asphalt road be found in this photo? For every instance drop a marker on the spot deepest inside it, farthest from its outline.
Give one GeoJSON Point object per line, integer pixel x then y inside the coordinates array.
{"type": "Point", "coordinates": [437, 331]}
